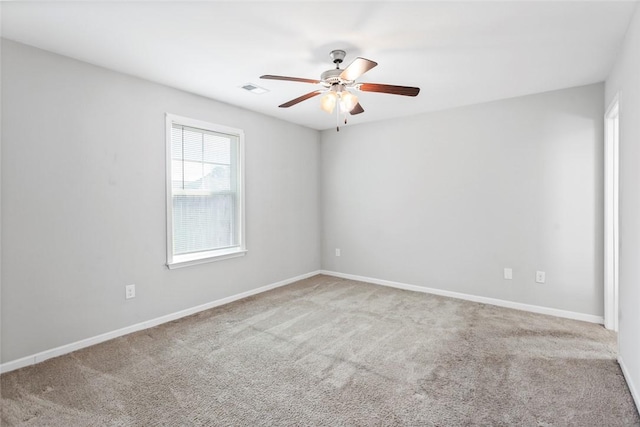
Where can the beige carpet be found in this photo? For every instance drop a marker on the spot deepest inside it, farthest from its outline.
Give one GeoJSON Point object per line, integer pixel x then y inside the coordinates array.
{"type": "Point", "coordinates": [328, 351]}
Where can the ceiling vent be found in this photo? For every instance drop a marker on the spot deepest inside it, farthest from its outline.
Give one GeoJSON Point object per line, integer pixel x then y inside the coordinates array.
{"type": "Point", "coordinates": [254, 88]}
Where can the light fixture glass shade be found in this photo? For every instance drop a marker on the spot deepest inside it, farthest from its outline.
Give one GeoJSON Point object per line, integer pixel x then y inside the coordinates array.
{"type": "Point", "coordinates": [347, 101]}
{"type": "Point", "coordinates": [328, 102]}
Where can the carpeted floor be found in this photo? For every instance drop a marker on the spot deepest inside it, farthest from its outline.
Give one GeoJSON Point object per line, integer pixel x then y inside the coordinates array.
{"type": "Point", "coordinates": [329, 351]}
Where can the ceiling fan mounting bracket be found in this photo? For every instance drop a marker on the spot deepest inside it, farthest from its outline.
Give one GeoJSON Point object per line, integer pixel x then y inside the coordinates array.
{"type": "Point", "coordinates": [337, 56]}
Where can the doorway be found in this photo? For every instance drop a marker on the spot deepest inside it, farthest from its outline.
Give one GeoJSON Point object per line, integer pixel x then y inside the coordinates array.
{"type": "Point", "coordinates": [611, 219]}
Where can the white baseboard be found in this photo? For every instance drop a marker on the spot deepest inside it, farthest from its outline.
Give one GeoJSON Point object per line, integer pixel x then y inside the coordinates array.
{"type": "Point", "coordinates": [632, 387]}
{"type": "Point", "coordinates": [68, 348]}
{"type": "Point", "coordinates": [492, 301]}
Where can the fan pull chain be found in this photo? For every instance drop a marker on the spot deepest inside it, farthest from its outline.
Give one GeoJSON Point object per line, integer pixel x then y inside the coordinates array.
{"type": "Point", "coordinates": [338, 119]}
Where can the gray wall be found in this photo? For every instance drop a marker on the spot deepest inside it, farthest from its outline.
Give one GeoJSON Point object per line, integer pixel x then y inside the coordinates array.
{"type": "Point", "coordinates": [448, 199]}
{"type": "Point", "coordinates": [443, 200]}
{"type": "Point", "coordinates": [625, 80]}
{"type": "Point", "coordinates": [83, 202]}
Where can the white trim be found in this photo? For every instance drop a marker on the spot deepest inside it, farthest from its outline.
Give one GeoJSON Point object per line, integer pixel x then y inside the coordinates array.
{"type": "Point", "coordinates": [632, 388]}
{"type": "Point", "coordinates": [485, 300]}
{"type": "Point", "coordinates": [87, 342]}
{"type": "Point", "coordinates": [613, 106]}
{"type": "Point", "coordinates": [169, 201]}
{"type": "Point", "coordinates": [611, 214]}
{"type": "Point", "coordinates": [184, 260]}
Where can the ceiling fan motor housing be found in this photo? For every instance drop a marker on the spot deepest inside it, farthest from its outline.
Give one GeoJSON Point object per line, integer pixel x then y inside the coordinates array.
{"type": "Point", "coordinates": [331, 76]}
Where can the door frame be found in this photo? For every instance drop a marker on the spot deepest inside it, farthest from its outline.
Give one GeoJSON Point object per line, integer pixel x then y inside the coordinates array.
{"type": "Point", "coordinates": [611, 214]}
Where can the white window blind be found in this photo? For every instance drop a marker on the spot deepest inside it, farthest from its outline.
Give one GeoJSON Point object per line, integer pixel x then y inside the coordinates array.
{"type": "Point", "coordinates": [205, 203]}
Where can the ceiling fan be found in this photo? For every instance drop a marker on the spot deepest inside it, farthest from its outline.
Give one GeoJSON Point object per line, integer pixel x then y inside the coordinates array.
{"type": "Point", "coordinates": [337, 83]}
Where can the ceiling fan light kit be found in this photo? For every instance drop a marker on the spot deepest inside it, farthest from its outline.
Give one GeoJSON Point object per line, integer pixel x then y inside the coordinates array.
{"type": "Point", "coordinates": [338, 94]}
{"type": "Point", "coordinates": [337, 83]}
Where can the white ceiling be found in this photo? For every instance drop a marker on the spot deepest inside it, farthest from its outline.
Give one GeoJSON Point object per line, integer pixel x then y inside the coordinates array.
{"type": "Point", "coordinates": [458, 53]}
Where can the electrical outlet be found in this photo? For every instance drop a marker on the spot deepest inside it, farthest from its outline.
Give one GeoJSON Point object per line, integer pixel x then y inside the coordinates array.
{"type": "Point", "coordinates": [337, 252]}
{"type": "Point", "coordinates": [540, 276]}
{"type": "Point", "coordinates": [508, 273]}
{"type": "Point", "coordinates": [130, 291]}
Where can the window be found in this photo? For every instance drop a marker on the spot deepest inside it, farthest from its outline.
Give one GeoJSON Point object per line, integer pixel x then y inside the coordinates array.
{"type": "Point", "coordinates": [205, 204]}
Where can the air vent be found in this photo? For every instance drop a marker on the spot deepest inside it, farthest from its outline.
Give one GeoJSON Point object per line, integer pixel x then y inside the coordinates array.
{"type": "Point", "coordinates": [254, 88]}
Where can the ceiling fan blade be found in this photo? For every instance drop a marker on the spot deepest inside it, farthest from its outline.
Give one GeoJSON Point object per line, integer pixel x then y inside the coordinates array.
{"type": "Point", "coordinates": [358, 67]}
{"type": "Point", "coordinates": [289, 79]}
{"type": "Point", "coordinates": [357, 109]}
{"type": "Point", "coordinates": [392, 89]}
{"type": "Point", "coordinates": [300, 99]}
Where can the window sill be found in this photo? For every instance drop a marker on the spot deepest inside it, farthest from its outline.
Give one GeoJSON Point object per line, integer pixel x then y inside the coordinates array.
{"type": "Point", "coordinates": [180, 261]}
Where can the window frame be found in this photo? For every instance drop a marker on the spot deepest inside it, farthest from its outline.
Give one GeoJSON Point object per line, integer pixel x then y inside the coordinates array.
{"type": "Point", "coordinates": [184, 260]}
